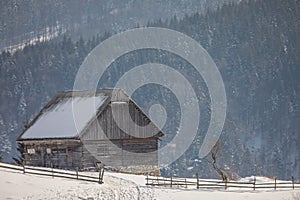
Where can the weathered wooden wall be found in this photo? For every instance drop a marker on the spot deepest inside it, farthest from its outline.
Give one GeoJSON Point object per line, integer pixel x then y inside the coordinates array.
{"type": "Point", "coordinates": [105, 127]}
{"type": "Point", "coordinates": [120, 152]}
{"type": "Point", "coordinates": [122, 149]}
{"type": "Point", "coordinates": [64, 153]}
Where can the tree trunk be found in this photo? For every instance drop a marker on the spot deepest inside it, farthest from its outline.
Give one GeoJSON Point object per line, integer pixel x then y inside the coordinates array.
{"type": "Point", "coordinates": [220, 172]}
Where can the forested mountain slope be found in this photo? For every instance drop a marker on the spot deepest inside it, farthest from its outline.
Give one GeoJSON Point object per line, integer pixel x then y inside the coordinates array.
{"type": "Point", "coordinates": [256, 46]}
{"type": "Point", "coordinates": [26, 20]}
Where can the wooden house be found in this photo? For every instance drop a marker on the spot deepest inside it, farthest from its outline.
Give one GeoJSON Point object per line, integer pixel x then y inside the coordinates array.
{"type": "Point", "coordinates": [55, 138]}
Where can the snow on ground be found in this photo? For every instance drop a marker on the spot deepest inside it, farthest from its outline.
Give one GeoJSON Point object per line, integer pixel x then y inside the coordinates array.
{"type": "Point", "coordinates": [16, 185]}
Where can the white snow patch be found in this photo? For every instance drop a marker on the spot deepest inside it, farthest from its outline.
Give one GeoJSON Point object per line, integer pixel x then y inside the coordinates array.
{"type": "Point", "coordinates": [43, 35]}
{"type": "Point", "coordinates": [119, 102]}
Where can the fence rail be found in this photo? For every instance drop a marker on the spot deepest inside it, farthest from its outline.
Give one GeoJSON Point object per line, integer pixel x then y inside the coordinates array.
{"type": "Point", "coordinates": [216, 184]}
{"type": "Point", "coordinates": [75, 175]}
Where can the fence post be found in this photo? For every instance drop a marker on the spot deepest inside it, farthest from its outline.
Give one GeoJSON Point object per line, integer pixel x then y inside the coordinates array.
{"type": "Point", "coordinates": [254, 182]}
{"type": "Point", "coordinates": [226, 184]}
{"type": "Point", "coordinates": [197, 176]}
{"type": "Point", "coordinates": [185, 183]}
{"type": "Point", "coordinates": [99, 176]}
{"type": "Point", "coordinates": [52, 170]}
{"type": "Point", "coordinates": [293, 182]}
{"type": "Point", "coordinates": [147, 179]}
{"type": "Point", "coordinates": [77, 173]}
{"type": "Point", "coordinates": [23, 169]}
{"type": "Point", "coordinates": [101, 173]}
{"type": "Point", "coordinates": [275, 183]}
{"type": "Point", "coordinates": [171, 179]}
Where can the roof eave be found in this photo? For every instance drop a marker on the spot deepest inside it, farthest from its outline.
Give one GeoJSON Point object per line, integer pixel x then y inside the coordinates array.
{"type": "Point", "coordinates": [48, 139]}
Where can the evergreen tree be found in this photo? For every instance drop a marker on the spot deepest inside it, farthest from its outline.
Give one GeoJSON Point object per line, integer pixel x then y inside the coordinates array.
{"type": "Point", "coordinates": [20, 158]}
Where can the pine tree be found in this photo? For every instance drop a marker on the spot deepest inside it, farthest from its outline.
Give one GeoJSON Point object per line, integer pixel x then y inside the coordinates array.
{"type": "Point", "coordinates": [20, 159]}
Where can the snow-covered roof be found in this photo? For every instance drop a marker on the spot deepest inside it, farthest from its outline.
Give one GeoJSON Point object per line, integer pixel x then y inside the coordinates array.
{"type": "Point", "coordinates": [69, 114]}
{"type": "Point", "coordinates": [58, 119]}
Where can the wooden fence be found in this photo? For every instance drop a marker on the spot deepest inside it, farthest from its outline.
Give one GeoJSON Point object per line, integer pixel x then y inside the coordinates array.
{"type": "Point", "coordinates": [55, 172]}
{"type": "Point", "coordinates": [215, 184]}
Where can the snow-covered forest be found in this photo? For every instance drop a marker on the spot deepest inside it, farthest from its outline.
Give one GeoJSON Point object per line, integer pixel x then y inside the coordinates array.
{"type": "Point", "coordinates": [255, 44]}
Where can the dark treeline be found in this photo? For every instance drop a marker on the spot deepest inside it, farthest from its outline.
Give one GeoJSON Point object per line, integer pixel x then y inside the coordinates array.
{"type": "Point", "coordinates": [256, 46]}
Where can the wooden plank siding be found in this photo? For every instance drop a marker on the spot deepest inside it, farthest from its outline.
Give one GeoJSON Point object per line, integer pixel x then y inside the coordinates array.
{"type": "Point", "coordinates": [120, 152]}
{"type": "Point", "coordinates": [123, 150]}
{"type": "Point", "coordinates": [105, 126]}
{"type": "Point", "coordinates": [62, 154]}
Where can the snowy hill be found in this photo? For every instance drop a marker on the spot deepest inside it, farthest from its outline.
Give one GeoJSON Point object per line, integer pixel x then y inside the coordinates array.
{"type": "Point", "coordinates": [16, 185]}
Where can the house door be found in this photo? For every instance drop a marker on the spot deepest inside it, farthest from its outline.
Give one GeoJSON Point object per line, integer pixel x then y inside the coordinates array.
{"type": "Point", "coordinates": [70, 158]}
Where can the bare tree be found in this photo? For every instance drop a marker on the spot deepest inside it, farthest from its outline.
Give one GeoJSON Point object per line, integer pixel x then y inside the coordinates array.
{"type": "Point", "coordinates": [214, 154]}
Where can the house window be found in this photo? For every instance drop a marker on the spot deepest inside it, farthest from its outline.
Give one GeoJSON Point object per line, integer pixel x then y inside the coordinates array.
{"type": "Point", "coordinates": [59, 151]}
{"type": "Point", "coordinates": [31, 151]}
{"type": "Point", "coordinates": [48, 150]}
{"type": "Point", "coordinates": [102, 150]}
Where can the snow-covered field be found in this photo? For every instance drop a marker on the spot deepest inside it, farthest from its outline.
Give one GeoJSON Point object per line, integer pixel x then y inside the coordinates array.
{"type": "Point", "coordinates": [16, 185]}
